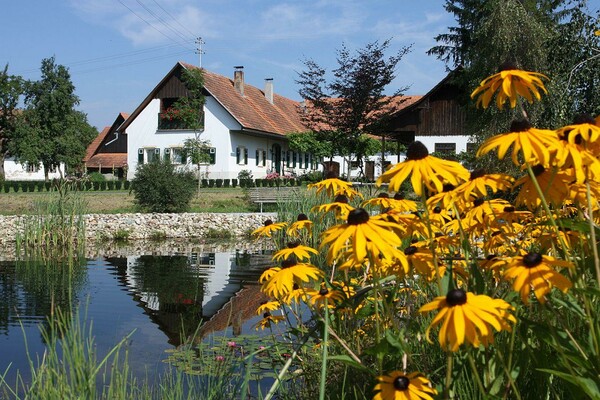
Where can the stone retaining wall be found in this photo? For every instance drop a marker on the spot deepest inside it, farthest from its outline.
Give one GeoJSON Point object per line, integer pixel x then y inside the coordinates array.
{"type": "Point", "coordinates": [145, 226]}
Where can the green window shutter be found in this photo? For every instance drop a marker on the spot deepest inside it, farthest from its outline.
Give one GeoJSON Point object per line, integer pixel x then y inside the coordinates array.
{"type": "Point", "coordinates": [306, 160]}
{"type": "Point", "coordinates": [213, 155]}
{"type": "Point", "coordinates": [167, 154]}
{"type": "Point", "coordinates": [237, 155]}
{"type": "Point", "coordinates": [245, 156]}
{"type": "Point", "coordinates": [288, 157]}
{"type": "Point", "coordinates": [264, 159]}
{"type": "Point", "coordinates": [294, 156]}
{"type": "Point", "coordinates": [140, 156]}
{"type": "Point", "coordinates": [257, 156]}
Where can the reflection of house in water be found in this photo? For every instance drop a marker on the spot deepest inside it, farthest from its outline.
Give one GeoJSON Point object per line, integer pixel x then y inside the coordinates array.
{"type": "Point", "coordinates": [180, 292]}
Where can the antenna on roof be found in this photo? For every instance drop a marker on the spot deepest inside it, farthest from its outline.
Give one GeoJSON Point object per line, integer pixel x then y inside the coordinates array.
{"type": "Point", "coordinates": [199, 51]}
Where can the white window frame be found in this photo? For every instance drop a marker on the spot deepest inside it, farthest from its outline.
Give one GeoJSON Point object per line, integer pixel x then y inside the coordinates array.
{"type": "Point", "coordinates": [241, 155]}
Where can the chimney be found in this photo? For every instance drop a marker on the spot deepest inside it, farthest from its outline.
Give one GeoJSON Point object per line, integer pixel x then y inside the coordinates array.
{"type": "Point", "coordinates": [269, 89]}
{"type": "Point", "coordinates": [238, 79]}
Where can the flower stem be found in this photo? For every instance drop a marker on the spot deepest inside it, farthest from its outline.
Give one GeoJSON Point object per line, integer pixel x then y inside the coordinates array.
{"type": "Point", "coordinates": [324, 362]}
{"type": "Point", "coordinates": [449, 363]}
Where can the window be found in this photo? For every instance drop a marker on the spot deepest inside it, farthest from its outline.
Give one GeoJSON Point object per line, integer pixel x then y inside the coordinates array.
{"type": "Point", "coordinates": [261, 157]}
{"type": "Point", "coordinates": [471, 147]}
{"type": "Point", "coordinates": [211, 156]}
{"type": "Point", "coordinates": [32, 167]}
{"type": "Point", "coordinates": [291, 159]}
{"type": "Point", "coordinates": [148, 154]}
{"type": "Point", "coordinates": [170, 118]}
{"type": "Point", "coordinates": [241, 155]}
{"type": "Point", "coordinates": [177, 155]}
{"type": "Point", "coordinates": [354, 165]}
{"type": "Point", "coordinates": [306, 160]}
{"type": "Point", "coordinates": [314, 162]}
{"type": "Point", "coordinates": [449, 148]}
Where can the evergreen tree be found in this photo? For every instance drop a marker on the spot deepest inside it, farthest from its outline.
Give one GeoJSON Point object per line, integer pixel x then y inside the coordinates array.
{"type": "Point", "coordinates": [50, 131]}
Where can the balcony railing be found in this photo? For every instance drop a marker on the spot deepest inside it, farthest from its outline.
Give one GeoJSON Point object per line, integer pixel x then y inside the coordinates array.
{"type": "Point", "coordinates": [166, 123]}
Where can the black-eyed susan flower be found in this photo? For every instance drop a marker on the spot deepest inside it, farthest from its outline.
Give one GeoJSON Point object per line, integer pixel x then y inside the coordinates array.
{"type": "Point", "coordinates": [302, 224]}
{"type": "Point", "coordinates": [268, 228]}
{"type": "Point", "coordinates": [357, 232]}
{"type": "Point", "coordinates": [510, 83]}
{"type": "Point", "coordinates": [268, 320]}
{"type": "Point", "coordinates": [399, 203]}
{"type": "Point", "coordinates": [334, 187]}
{"type": "Point", "coordinates": [268, 306]}
{"type": "Point", "coordinates": [382, 200]}
{"type": "Point", "coordinates": [421, 259]}
{"type": "Point", "coordinates": [278, 282]}
{"type": "Point", "coordinates": [331, 296]}
{"type": "Point", "coordinates": [400, 386]}
{"type": "Point", "coordinates": [534, 145]}
{"type": "Point", "coordinates": [584, 132]}
{"type": "Point", "coordinates": [294, 249]}
{"type": "Point", "coordinates": [554, 185]}
{"type": "Point", "coordinates": [480, 183]}
{"type": "Point", "coordinates": [538, 272]}
{"type": "Point", "coordinates": [340, 207]}
{"type": "Point", "coordinates": [467, 316]}
{"type": "Point", "coordinates": [425, 170]}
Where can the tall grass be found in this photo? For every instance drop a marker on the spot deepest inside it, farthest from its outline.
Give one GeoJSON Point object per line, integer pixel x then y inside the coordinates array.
{"type": "Point", "coordinates": [57, 227]}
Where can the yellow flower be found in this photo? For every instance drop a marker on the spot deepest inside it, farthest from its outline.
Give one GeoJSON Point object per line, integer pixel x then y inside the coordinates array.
{"type": "Point", "coordinates": [334, 187]}
{"type": "Point", "coordinates": [467, 316]}
{"type": "Point", "coordinates": [535, 145]}
{"type": "Point", "coordinates": [360, 230]}
{"type": "Point", "coordinates": [340, 207]}
{"type": "Point", "coordinates": [318, 297]}
{"type": "Point", "coordinates": [302, 223]}
{"type": "Point", "coordinates": [268, 228]}
{"type": "Point", "coordinates": [268, 306]}
{"type": "Point", "coordinates": [425, 170]}
{"type": "Point", "coordinates": [294, 249]}
{"type": "Point", "coordinates": [584, 132]}
{"type": "Point", "coordinates": [479, 183]}
{"type": "Point", "coordinates": [536, 271]}
{"type": "Point", "coordinates": [267, 320]}
{"type": "Point", "coordinates": [554, 186]}
{"type": "Point", "coordinates": [512, 83]}
{"type": "Point", "coordinates": [399, 386]}
{"type": "Point", "coordinates": [278, 282]}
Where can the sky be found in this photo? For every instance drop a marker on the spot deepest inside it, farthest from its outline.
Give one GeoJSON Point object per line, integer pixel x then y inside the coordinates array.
{"type": "Point", "coordinates": [117, 51]}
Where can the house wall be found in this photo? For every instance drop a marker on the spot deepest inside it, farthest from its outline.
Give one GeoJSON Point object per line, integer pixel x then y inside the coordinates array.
{"type": "Point", "coordinates": [430, 141]}
{"type": "Point", "coordinates": [14, 171]}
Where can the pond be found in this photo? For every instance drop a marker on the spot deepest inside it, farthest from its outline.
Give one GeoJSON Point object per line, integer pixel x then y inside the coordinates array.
{"type": "Point", "coordinates": [160, 298]}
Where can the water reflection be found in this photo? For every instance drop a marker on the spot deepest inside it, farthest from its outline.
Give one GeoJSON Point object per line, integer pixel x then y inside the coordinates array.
{"type": "Point", "coordinates": [164, 298]}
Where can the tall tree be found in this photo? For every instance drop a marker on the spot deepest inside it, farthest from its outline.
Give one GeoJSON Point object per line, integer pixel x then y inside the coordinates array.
{"type": "Point", "coordinates": [11, 90]}
{"type": "Point", "coordinates": [548, 36]}
{"type": "Point", "coordinates": [352, 102]}
{"type": "Point", "coordinates": [50, 131]}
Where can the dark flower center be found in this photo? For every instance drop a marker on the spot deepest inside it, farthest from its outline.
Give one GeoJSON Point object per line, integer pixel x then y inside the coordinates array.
{"type": "Point", "coordinates": [341, 198]}
{"type": "Point", "coordinates": [410, 250]}
{"type": "Point", "coordinates": [478, 173]}
{"type": "Point", "coordinates": [584, 119]}
{"type": "Point", "coordinates": [398, 196]}
{"type": "Point", "coordinates": [456, 297]}
{"type": "Point", "coordinates": [478, 202]}
{"type": "Point", "coordinates": [358, 216]}
{"type": "Point", "coordinates": [531, 260]}
{"type": "Point", "coordinates": [437, 210]}
{"type": "Point", "coordinates": [383, 195]}
{"type": "Point", "coordinates": [416, 151]}
{"type": "Point", "coordinates": [520, 125]}
{"type": "Point", "coordinates": [490, 257]}
{"type": "Point", "coordinates": [323, 291]}
{"type": "Point", "coordinates": [289, 262]}
{"type": "Point", "coordinates": [295, 287]}
{"type": "Point", "coordinates": [293, 245]}
{"type": "Point", "coordinates": [496, 233]}
{"type": "Point", "coordinates": [538, 169]}
{"type": "Point", "coordinates": [509, 209]}
{"type": "Point", "coordinates": [448, 187]}
{"type": "Point", "coordinates": [507, 66]}
{"type": "Point", "coordinates": [331, 175]}
{"type": "Point", "coordinates": [267, 314]}
{"type": "Point", "coordinates": [401, 383]}
{"type": "Point", "coordinates": [268, 222]}
{"type": "Point", "coordinates": [302, 217]}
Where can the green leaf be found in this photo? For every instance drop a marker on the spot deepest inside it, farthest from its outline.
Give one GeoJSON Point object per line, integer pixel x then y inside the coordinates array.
{"type": "Point", "coordinates": [346, 359]}
{"type": "Point", "coordinates": [588, 385]}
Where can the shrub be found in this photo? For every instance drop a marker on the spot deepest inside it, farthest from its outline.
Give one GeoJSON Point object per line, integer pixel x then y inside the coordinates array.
{"type": "Point", "coordinates": [219, 182]}
{"type": "Point", "coordinates": [126, 185]}
{"type": "Point", "coordinates": [160, 187]}
{"type": "Point", "coordinates": [211, 183]}
{"type": "Point", "coordinates": [110, 185]}
{"type": "Point", "coordinates": [226, 183]}
{"type": "Point", "coordinates": [204, 183]}
{"type": "Point", "coordinates": [234, 182]}
{"type": "Point", "coordinates": [6, 186]}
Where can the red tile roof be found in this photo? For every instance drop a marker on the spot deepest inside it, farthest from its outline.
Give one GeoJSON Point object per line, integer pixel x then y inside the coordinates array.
{"type": "Point", "coordinates": [107, 160]}
{"type": "Point", "coordinates": [93, 147]}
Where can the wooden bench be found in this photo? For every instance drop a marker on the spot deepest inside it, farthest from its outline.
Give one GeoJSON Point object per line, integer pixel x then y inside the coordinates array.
{"type": "Point", "coordinates": [273, 195]}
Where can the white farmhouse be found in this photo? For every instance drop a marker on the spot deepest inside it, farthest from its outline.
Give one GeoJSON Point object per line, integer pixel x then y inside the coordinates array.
{"type": "Point", "coordinates": [245, 126]}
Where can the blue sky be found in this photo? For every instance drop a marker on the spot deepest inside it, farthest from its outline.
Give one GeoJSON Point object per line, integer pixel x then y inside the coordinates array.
{"type": "Point", "coordinates": [118, 50]}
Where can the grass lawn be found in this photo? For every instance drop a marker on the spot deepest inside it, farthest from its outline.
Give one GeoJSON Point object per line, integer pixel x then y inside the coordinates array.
{"type": "Point", "coordinates": [121, 201]}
